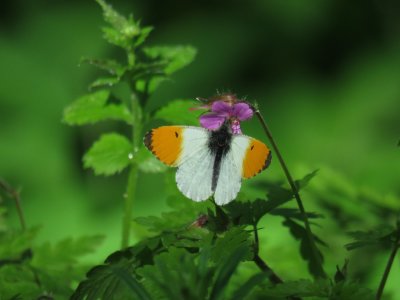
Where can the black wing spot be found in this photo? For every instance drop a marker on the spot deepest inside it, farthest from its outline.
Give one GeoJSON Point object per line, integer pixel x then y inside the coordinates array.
{"type": "Point", "coordinates": [252, 147]}
{"type": "Point", "coordinates": [176, 134]}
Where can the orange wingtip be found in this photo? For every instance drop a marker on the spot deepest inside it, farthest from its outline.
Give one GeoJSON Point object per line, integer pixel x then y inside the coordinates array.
{"type": "Point", "coordinates": [257, 158]}
{"type": "Point", "coordinates": [166, 143]}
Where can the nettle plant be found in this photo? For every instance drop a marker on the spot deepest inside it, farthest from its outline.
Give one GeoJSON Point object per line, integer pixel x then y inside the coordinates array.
{"type": "Point", "coordinates": [196, 250]}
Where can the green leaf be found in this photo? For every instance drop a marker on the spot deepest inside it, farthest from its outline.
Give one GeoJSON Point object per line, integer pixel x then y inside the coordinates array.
{"type": "Point", "coordinates": [306, 251]}
{"type": "Point", "coordinates": [178, 112]}
{"type": "Point", "coordinates": [245, 289]}
{"type": "Point", "coordinates": [132, 283]}
{"type": "Point", "coordinates": [178, 274]}
{"type": "Point", "coordinates": [125, 26]}
{"type": "Point", "coordinates": [174, 57]}
{"type": "Point", "coordinates": [93, 108]}
{"type": "Point", "coordinates": [383, 235]}
{"type": "Point", "coordinates": [66, 252]}
{"type": "Point", "coordinates": [226, 271]}
{"type": "Point", "coordinates": [14, 243]}
{"type": "Point", "coordinates": [302, 183]}
{"type": "Point", "coordinates": [109, 65]}
{"type": "Point", "coordinates": [108, 155]}
{"type": "Point", "coordinates": [144, 33]}
{"type": "Point", "coordinates": [148, 163]}
{"type": "Point", "coordinates": [105, 81]}
{"type": "Point", "coordinates": [103, 282]}
{"type": "Point", "coordinates": [236, 237]}
{"type": "Point", "coordinates": [299, 288]}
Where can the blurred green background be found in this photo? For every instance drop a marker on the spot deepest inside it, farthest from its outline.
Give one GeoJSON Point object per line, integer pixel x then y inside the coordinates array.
{"type": "Point", "coordinates": [325, 73]}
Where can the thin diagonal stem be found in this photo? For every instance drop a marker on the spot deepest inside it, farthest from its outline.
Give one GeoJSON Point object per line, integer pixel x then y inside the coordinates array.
{"type": "Point", "coordinates": [14, 194]}
{"type": "Point", "coordinates": [388, 267]}
{"type": "Point", "coordinates": [289, 177]}
{"type": "Point", "coordinates": [272, 276]}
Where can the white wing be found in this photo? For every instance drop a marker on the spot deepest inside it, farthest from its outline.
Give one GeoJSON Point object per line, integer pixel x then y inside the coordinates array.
{"type": "Point", "coordinates": [195, 166]}
{"type": "Point", "coordinates": [230, 174]}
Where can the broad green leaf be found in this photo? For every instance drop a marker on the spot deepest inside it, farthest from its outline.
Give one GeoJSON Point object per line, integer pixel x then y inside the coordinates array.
{"type": "Point", "coordinates": [148, 163]}
{"type": "Point", "coordinates": [383, 236]}
{"type": "Point", "coordinates": [93, 108]}
{"type": "Point", "coordinates": [108, 155]}
{"type": "Point", "coordinates": [132, 283]}
{"type": "Point", "coordinates": [174, 57]}
{"type": "Point", "coordinates": [306, 251]}
{"type": "Point", "coordinates": [178, 112]}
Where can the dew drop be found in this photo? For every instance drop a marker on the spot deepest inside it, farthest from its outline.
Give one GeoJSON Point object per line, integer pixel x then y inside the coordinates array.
{"type": "Point", "coordinates": [130, 155]}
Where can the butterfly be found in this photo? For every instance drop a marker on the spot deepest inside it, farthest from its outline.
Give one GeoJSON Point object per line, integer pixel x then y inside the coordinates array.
{"type": "Point", "coordinates": [209, 162]}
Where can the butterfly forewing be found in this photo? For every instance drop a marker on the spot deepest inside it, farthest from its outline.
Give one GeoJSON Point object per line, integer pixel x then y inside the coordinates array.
{"type": "Point", "coordinates": [256, 156]}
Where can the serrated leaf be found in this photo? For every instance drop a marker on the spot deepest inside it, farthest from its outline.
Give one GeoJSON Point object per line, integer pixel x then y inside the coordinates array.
{"type": "Point", "coordinates": [178, 112]}
{"type": "Point", "coordinates": [174, 57]}
{"type": "Point", "coordinates": [178, 274]}
{"type": "Point", "coordinates": [299, 288]}
{"type": "Point", "coordinates": [383, 236]}
{"type": "Point", "coordinates": [108, 155]}
{"type": "Point", "coordinates": [66, 252]}
{"type": "Point", "coordinates": [147, 162]}
{"type": "Point", "coordinates": [93, 108]}
{"type": "Point", "coordinates": [103, 282]}
{"type": "Point", "coordinates": [242, 291]}
{"type": "Point", "coordinates": [14, 243]}
{"type": "Point", "coordinates": [234, 238]}
{"type": "Point", "coordinates": [226, 271]}
{"type": "Point", "coordinates": [306, 251]}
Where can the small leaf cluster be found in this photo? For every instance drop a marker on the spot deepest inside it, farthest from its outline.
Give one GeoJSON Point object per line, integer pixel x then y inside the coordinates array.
{"type": "Point", "coordinates": [32, 270]}
{"type": "Point", "coordinates": [122, 94]}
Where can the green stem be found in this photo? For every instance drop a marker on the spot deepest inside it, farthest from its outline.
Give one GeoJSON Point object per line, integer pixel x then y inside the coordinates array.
{"type": "Point", "coordinates": [388, 267]}
{"type": "Point", "coordinates": [14, 194]}
{"type": "Point", "coordinates": [129, 200]}
{"type": "Point", "coordinates": [272, 276]}
{"type": "Point", "coordinates": [133, 174]}
{"type": "Point", "coordinates": [310, 235]}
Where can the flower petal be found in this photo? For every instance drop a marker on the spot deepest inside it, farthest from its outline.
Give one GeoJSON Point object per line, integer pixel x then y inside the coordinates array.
{"type": "Point", "coordinates": [242, 111]}
{"type": "Point", "coordinates": [221, 108]}
{"type": "Point", "coordinates": [236, 127]}
{"type": "Point", "coordinates": [212, 121]}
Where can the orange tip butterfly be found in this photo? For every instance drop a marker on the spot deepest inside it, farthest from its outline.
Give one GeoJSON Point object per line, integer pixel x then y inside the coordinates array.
{"type": "Point", "coordinates": [209, 162]}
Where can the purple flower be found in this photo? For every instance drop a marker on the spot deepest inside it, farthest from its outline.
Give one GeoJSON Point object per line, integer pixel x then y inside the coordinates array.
{"type": "Point", "coordinates": [222, 111]}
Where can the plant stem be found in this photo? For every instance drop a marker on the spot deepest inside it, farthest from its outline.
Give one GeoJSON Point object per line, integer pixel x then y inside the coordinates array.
{"type": "Point", "coordinates": [133, 173]}
{"type": "Point", "coordinates": [388, 267]}
{"type": "Point", "coordinates": [14, 194]}
{"type": "Point", "coordinates": [272, 276]}
{"type": "Point", "coordinates": [129, 200]}
{"type": "Point", "coordinates": [310, 235]}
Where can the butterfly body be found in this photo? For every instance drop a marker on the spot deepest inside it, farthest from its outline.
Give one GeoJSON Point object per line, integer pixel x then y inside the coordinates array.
{"type": "Point", "coordinates": [209, 162]}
